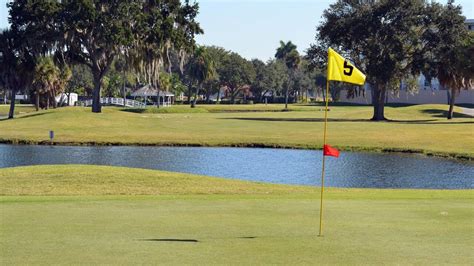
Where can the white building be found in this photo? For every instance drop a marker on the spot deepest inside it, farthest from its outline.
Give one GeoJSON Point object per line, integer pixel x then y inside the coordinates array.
{"type": "Point", "coordinates": [470, 24]}
{"type": "Point", "coordinates": [62, 99]}
{"type": "Point", "coordinates": [428, 93]}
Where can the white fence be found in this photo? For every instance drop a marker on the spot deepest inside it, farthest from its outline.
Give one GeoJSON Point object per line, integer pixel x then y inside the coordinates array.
{"type": "Point", "coordinates": [116, 101]}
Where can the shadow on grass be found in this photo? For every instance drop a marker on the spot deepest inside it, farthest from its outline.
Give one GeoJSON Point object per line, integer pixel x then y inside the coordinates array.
{"type": "Point", "coordinates": [322, 104]}
{"type": "Point", "coordinates": [184, 240]}
{"type": "Point", "coordinates": [32, 115]}
{"type": "Point", "coordinates": [466, 105]}
{"type": "Point", "coordinates": [444, 114]}
{"type": "Point", "coordinates": [23, 116]}
{"type": "Point", "coordinates": [320, 120]}
{"type": "Point", "coordinates": [342, 104]}
{"type": "Point", "coordinates": [134, 110]}
{"type": "Point", "coordinates": [170, 240]}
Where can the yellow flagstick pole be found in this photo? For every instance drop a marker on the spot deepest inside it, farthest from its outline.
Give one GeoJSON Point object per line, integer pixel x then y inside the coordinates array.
{"type": "Point", "coordinates": [324, 158]}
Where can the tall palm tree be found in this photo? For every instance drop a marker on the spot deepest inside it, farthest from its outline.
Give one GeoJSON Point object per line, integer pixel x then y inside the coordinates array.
{"type": "Point", "coordinates": [284, 49]}
{"type": "Point", "coordinates": [288, 53]}
{"type": "Point", "coordinates": [201, 69]}
{"type": "Point", "coordinates": [458, 71]}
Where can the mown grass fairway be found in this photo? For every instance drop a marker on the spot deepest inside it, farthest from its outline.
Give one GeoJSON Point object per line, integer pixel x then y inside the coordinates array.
{"type": "Point", "coordinates": [201, 220]}
{"type": "Point", "coordinates": [421, 128]}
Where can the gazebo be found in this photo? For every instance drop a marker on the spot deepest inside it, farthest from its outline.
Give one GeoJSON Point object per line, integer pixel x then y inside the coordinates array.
{"type": "Point", "coordinates": [166, 97]}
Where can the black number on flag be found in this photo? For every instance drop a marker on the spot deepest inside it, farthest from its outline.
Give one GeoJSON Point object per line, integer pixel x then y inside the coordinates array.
{"type": "Point", "coordinates": [350, 69]}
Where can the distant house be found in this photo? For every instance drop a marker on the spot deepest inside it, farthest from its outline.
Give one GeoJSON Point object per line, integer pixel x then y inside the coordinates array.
{"type": "Point", "coordinates": [469, 24]}
{"type": "Point", "coordinates": [429, 91]}
{"type": "Point", "coordinates": [218, 96]}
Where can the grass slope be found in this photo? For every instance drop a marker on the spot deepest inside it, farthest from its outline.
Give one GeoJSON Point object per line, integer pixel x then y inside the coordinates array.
{"type": "Point", "coordinates": [220, 221]}
{"type": "Point", "coordinates": [86, 180]}
{"type": "Point", "coordinates": [415, 128]}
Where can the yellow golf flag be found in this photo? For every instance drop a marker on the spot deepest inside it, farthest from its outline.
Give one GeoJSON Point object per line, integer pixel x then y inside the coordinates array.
{"type": "Point", "coordinates": [340, 69]}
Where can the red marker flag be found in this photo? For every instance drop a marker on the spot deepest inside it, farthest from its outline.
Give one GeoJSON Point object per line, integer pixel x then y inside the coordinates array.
{"type": "Point", "coordinates": [330, 151]}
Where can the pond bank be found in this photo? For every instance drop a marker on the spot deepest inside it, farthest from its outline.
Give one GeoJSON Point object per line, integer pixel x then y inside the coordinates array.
{"type": "Point", "coordinates": [279, 166]}
{"type": "Point", "coordinates": [428, 153]}
{"type": "Point", "coordinates": [417, 129]}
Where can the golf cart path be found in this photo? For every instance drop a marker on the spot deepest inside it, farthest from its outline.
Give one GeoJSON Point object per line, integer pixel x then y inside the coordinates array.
{"type": "Point", "coordinates": [467, 111]}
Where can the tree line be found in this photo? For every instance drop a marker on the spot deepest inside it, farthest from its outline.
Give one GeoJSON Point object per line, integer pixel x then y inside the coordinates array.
{"type": "Point", "coordinates": [94, 34]}
{"type": "Point", "coordinates": [99, 46]}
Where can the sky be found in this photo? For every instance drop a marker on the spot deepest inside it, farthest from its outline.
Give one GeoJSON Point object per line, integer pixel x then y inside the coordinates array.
{"type": "Point", "coordinates": [254, 28]}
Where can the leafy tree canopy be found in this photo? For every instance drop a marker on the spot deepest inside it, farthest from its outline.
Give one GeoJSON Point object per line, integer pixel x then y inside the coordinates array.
{"type": "Point", "coordinates": [383, 38]}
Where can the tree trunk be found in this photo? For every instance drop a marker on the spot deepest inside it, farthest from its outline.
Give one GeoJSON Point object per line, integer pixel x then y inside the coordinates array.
{"type": "Point", "coordinates": [189, 95]}
{"type": "Point", "coordinates": [96, 105]}
{"type": "Point", "coordinates": [378, 101]}
{"type": "Point", "coordinates": [323, 91]}
{"type": "Point", "coordinates": [196, 93]}
{"type": "Point", "coordinates": [208, 97]}
{"type": "Point", "coordinates": [289, 85]}
{"type": "Point", "coordinates": [47, 101]}
{"type": "Point", "coordinates": [37, 101]}
{"type": "Point", "coordinates": [232, 96]}
{"type": "Point", "coordinates": [195, 96]}
{"type": "Point", "coordinates": [218, 96]}
{"type": "Point", "coordinates": [11, 113]}
{"type": "Point", "coordinates": [123, 90]}
{"type": "Point", "coordinates": [452, 99]}
{"type": "Point", "coordinates": [54, 104]}
{"type": "Point", "coordinates": [158, 97]}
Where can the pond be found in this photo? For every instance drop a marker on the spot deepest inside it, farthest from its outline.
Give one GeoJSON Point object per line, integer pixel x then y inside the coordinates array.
{"type": "Point", "coordinates": [351, 169]}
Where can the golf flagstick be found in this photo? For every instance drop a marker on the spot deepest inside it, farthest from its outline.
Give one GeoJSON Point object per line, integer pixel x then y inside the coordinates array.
{"type": "Point", "coordinates": [324, 159]}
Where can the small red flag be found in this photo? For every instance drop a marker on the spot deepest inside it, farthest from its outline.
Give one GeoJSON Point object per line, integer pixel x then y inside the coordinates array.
{"type": "Point", "coordinates": [330, 151]}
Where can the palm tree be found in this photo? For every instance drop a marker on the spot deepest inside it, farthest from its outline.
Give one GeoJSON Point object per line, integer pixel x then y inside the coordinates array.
{"type": "Point", "coordinates": [458, 71]}
{"type": "Point", "coordinates": [165, 84]}
{"type": "Point", "coordinates": [201, 69]}
{"type": "Point", "coordinates": [288, 53]}
{"type": "Point", "coordinates": [284, 49]}
{"type": "Point", "coordinates": [454, 82]}
{"type": "Point", "coordinates": [45, 80]}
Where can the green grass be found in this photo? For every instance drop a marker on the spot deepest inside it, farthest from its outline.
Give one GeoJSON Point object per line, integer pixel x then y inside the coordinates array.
{"type": "Point", "coordinates": [83, 180]}
{"type": "Point", "coordinates": [44, 221]}
{"type": "Point", "coordinates": [421, 129]}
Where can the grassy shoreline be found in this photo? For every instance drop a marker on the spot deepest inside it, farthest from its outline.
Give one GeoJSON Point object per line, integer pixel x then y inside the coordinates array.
{"type": "Point", "coordinates": [97, 180]}
{"type": "Point", "coordinates": [428, 153]}
{"type": "Point", "coordinates": [413, 129]}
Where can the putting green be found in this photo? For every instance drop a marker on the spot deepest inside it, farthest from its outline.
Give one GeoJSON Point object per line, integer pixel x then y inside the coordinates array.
{"type": "Point", "coordinates": [251, 224]}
